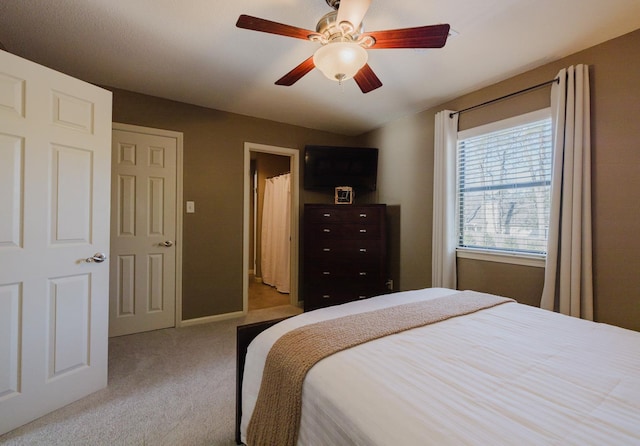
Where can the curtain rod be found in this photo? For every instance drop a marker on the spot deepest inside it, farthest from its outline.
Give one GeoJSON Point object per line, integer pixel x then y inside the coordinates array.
{"type": "Point", "coordinates": [473, 107]}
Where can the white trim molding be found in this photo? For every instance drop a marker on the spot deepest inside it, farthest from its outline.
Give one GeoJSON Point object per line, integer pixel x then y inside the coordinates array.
{"type": "Point", "coordinates": [533, 260]}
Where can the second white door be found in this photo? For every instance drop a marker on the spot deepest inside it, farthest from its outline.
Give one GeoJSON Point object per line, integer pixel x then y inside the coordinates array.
{"type": "Point", "coordinates": [143, 230]}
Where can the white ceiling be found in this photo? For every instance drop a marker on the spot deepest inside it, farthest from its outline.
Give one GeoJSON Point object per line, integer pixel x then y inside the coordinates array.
{"type": "Point", "coordinates": [191, 51]}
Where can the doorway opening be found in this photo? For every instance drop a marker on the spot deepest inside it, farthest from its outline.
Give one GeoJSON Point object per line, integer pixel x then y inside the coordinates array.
{"type": "Point", "coordinates": [269, 169]}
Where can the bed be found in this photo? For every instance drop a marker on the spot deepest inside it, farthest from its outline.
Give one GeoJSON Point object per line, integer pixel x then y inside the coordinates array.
{"type": "Point", "coordinates": [504, 374]}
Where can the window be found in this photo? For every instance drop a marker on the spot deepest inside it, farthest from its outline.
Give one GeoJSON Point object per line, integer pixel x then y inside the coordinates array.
{"type": "Point", "coordinates": [503, 186]}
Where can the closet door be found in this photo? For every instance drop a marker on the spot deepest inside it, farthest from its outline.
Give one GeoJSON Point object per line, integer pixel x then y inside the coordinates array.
{"type": "Point", "coordinates": [143, 229]}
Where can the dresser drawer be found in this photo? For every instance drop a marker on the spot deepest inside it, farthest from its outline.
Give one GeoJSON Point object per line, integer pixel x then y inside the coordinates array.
{"type": "Point", "coordinates": [343, 251]}
{"type": "Point", "coordinates": [366, 215]}
{"type": "Point", "coordinates": [319, 295]}
{"type": "Point", "coordinates": [356, 273]}
{"type": "Point", "coordinates": [324, 298]}
{"type": "Point", "coordinates": [345, 231]}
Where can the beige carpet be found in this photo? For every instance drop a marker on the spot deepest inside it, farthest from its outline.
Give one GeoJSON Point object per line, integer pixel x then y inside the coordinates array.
{"type": "Point", "coordinates": [166, 387]}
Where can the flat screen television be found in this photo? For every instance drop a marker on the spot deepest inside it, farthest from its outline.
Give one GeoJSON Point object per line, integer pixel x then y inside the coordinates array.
{"type": "Point", "coordinates": [326, 167]}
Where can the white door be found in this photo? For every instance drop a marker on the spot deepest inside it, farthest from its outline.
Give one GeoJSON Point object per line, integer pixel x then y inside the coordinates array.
{"type": "Point", "coordinates": [143, 230]}
{"type": "Point", "coordinates": [55, 134]}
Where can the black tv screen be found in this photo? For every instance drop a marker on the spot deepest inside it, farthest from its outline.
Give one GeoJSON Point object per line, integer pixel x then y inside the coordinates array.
{"type": "Point", "coordinates": [326, 167]}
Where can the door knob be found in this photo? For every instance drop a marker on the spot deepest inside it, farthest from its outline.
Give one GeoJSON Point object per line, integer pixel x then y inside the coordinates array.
{"type": "Point", "coordinates": [98, 257]}
{"type": "Point", "coordinates": [167, 244]}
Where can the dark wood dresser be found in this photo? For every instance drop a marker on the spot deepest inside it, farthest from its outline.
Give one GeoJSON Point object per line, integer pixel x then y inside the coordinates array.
{"type": "Point", "coordinates": [345, 253]}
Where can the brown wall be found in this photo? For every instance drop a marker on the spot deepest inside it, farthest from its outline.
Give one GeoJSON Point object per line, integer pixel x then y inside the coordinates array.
{"type": "Point", "coordinates": [406, 180]}
{"type": "Point", "coordinates": [213, 178]}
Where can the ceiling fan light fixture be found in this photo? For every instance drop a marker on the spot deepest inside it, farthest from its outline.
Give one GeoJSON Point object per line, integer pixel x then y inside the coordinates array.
{"type": "Point", "coordinates": [340, 61]}
{"type": "Point", "coordinates": [343, 52]}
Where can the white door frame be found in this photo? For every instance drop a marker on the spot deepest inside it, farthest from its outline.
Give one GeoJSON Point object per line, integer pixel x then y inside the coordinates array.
{"type": "Point", "coordinates": [179, 209]}
{"type": "Point", "coordinates": [293, 155]}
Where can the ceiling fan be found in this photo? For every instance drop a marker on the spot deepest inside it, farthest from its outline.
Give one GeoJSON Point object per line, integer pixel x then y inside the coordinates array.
{"type": "Point", "coordinates": [343, 54]}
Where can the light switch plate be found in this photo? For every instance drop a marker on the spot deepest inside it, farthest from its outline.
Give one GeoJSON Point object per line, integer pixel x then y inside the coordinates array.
{"type": "Point", "coordinates": [191, 207]}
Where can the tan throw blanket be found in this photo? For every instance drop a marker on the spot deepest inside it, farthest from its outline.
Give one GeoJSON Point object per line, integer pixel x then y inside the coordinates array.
{"type": "Point", "coordinates": [276, 417]}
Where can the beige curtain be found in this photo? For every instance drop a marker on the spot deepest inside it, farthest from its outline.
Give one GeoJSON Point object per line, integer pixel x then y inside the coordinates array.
{"type": "Point", "coordinates": [568, 284]}
{"type": "Point", "coordinates": [443, 270]}
{"type": "Point", "coordinates": [276, 233]}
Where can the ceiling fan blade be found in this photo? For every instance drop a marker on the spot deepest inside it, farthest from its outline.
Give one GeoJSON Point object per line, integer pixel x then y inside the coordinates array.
{"type": "Point", "coordinates": [297, 73]}
{"type": "Point", "coordinates": [267, 26]}
{"type": "Point", "coordinates": [431, 36]}
{"type": "Point", "coordinates": [367, 79]}
{"type": "Point", "coordinates": [352, 11]}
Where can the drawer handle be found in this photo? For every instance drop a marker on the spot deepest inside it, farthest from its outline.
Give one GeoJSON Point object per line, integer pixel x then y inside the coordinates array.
{"type": "Point", "coordinates": [363, 231]}
{"type": "Point", "coordinates": [363, 249]}
{"type": "Point", "coordinates": [326, 215]}
{"type": "Point", "coordinates": [363, 273]}
{"type": "Point", "coordinates": [362, 297]}
{"type": "Point", "coordinates": [326, 273]}
{"type": "Point", "coordinates": [326, 249]}
{"type": "Point", "coordinates": [326, 296]}
{"type": "Point", "coordinates": [363, 215]}
{"type": "Point", "coordinates": [326, 230]}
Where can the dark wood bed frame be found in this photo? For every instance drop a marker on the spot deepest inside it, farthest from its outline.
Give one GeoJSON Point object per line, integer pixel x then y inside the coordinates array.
{"type": "Point", "coordinates": [244, 335]}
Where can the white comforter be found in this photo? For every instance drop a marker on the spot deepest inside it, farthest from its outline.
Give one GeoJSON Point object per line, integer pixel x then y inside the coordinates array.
{"type": "Point", "coordinates": [511, 374]}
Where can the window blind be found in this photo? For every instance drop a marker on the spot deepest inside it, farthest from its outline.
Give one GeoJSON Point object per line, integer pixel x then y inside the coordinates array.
{"type": "Point", "coordinates": [503, 180]}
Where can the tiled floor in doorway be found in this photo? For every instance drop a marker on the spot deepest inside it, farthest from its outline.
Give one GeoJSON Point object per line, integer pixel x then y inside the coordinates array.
{"type": "Point", "coordinates": [264, 296]}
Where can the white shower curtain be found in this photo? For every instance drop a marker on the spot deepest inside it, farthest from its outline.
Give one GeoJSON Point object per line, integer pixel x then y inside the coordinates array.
{"type": "Point", "coordinates": [568, 281]}
{"type": "Point", "coordinates": [276, 233]}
